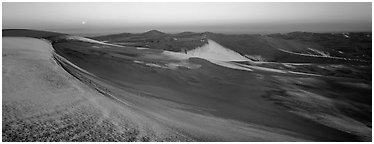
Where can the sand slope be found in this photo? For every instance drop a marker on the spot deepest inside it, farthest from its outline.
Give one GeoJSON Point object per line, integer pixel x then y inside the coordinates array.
{"type": "Point", "coordinates": [214, 51]}
{"type": "Point", "coordinates": [43, 102]}
{"type": "Point", "coordinates": [215, 95]}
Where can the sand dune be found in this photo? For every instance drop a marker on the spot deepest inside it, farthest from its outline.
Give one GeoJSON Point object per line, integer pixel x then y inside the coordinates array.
{"type": "Point", "coordinates": [76, 92]}
{"type": "Point", "coordinates": [214, 51]}
{"type": "Point", "coordinates": [43, 102]}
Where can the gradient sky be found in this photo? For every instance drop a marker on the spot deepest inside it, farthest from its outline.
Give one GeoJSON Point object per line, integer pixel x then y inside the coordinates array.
{"type": "Point", "coordinates": [99, 18]}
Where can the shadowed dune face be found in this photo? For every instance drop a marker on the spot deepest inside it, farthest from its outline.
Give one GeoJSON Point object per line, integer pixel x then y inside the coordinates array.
{"type": "Point", "coordinates": [123, 93]}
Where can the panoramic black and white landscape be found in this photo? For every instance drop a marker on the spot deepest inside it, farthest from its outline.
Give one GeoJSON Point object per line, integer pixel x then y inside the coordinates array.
{"type": "Point", "coordinates": [273, 72]}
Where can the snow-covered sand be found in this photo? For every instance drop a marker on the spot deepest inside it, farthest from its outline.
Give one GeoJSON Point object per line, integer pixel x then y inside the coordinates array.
{"type": "Point", "coordinates": [219, 55]}
{"type": "Point", "coordinates": [43, 102]}
{"type": "Point", "coordinates": [214, 51]}
{"type": "Point", "coordinates": [40, 97]}
{"type": "Point", "coordinates": [79, 38]}
{"type": "Point", "coordinates": [321, 55]}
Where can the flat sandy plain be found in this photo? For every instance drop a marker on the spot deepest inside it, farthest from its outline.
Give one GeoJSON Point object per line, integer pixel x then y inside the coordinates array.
{"type": "Point", "coordinates": [73, 92]}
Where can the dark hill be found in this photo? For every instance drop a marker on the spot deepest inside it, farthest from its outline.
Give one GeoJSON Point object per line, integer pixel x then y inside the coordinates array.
{"type": "Point", "coordinates": [354, 47]}
{"type": "Point", "coordinates": [29, 33]}
{"type": "Point", "coordinates": [158, 40]}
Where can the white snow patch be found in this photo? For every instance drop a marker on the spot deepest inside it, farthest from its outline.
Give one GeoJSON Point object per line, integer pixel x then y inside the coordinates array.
{"type": "Point", "coordinates": [301, 73]}
{"type": "Point", "coordinates": [276, 70]}
{"type": "Point", "coordinates": [141, 48]}
{"type": "Point", "coordinates": [299, 64]}
{"type": "Point", "coordinates": [183, 57]}
{"type": "Point", "coordinates": [171, 65]}
{"type": "Point", "coordinates": [256, 57]}
{"type": "Point", "coordinates": [139, 62]}
{"type": "Point", "coordinates": [263, 68]}
{"type": "Point", "coordinates": [211, 52]}
{"type": "Point", "coordinates": [288, 65]}
{"type": "Point", "coordinates": [149, 64]}
{"type": "Point", "coordinates": [324, 54]}
{"type": "Point", "coordinates": [230, 65]}
{"type": "Point", "coordinates": [155, 65]}
{"type": "Point", "coordinates": [79, 38]}
{"type": "Point", "coordinates": [214, 51]}
{"type": "Point", "coordinates": [185, 64]}
{"type": "Point", "coordinates": [302, 54]}
{"type": "Point", "coordinates": [175, 55]}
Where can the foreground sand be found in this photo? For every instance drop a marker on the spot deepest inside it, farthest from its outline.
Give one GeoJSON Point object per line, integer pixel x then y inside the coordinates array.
{"type": "Point", "coordinates": [43, 102]}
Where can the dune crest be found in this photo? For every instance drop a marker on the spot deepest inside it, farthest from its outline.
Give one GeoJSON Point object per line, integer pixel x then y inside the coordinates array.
{"type": "Point", "coordinates": [215, 51]}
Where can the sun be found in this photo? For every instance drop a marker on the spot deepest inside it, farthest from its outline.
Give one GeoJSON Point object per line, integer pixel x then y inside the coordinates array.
{"type": "Point", "coordinates": [83, 22]}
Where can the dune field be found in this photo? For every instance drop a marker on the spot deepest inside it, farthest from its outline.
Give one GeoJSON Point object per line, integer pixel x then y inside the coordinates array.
{"type": "Point", "coordinates": [58, 87]}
